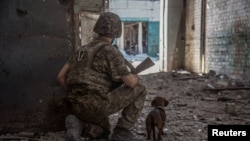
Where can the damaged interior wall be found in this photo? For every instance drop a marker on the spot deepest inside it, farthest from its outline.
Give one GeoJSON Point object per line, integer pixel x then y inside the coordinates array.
{"type": "Point", "coordinates": [82, 17]}
{"type": "Point", "coordinates": [228, 37]}
{"type": "Point", "coordinates": [36, 39]}
{"type": "Point", "coordinates": [38, 36]}
{"type": "Point", "coordinates": [33, 47]}
{"type": "Point", "coordinates": [174, 43]}
{"type": "Point", "coordinates": [192, 37]}
{"type": "Point", "coordinates": [226, 44]}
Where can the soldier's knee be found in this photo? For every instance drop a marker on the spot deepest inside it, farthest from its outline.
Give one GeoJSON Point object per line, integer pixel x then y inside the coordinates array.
{"type": "Point", "coordinates": [142, 89]}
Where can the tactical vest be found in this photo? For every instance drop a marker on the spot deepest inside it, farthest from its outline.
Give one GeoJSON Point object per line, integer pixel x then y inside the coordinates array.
{"type": "Point", "coordinates": [80, 71]}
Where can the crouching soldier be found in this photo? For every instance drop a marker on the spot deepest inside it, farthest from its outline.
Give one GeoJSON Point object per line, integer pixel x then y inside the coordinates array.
{"type": "Point", "coordinates": [99, 84]}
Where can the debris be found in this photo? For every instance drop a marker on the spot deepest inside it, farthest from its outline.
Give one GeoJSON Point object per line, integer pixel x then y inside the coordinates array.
{"type": "Point", "coordinates": [183, 72]}
{"type": "Point", "coordinates": [187, 78]}
{"type": "Point", "coordinates": [223, 82]}
{"type": "Point", "coordinates": [181, 105]}
{"type": "Point", "coordinates": [235, 77]}
{"type": "Point", "coordinates": [211, 73]}
{"type": "Point", "coordinates": [223, 99]}
{"type": "Point", "coordinates": [189, 112]}
{"type": "Point", "coordinates": [28, 135]}
{"type": "Point", "coordinates": [230, 88]}
{"type": "Point", "coordinates": [188, 93]}
{"type": "Point", "coordinates": [210, 86]}
{"type": "Point", "coordinates": [17, 139]}
{"type": "Point", "coordinates": [208, 99]}
{"type": "Point", "coordinates": [230, 108]}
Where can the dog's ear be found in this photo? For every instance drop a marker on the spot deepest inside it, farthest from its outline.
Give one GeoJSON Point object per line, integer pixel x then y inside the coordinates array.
{"type": "Point", "coordinates": [165, 102]}
{"type": "Point", "coordinates": [153, 103]}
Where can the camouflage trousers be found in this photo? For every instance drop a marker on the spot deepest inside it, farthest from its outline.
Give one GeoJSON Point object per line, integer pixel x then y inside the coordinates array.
{"type": "Point", "coordinates": [95, 109]}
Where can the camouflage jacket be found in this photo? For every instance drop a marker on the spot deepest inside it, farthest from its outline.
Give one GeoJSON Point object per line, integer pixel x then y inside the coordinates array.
{"type": "Point", "coordinates": [96, 68]}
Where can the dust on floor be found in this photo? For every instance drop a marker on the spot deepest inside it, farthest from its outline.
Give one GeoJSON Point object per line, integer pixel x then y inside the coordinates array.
{"type": "Point", "coordinates": [194, 103]}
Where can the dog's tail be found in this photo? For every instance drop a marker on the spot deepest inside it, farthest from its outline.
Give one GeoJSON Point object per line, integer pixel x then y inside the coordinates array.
{"type": "Point", "coordinates": [153, 127]}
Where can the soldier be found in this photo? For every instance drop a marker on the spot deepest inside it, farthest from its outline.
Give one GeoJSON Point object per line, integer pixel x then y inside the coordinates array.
{"type": "Point", "coordinates": [99, 84]}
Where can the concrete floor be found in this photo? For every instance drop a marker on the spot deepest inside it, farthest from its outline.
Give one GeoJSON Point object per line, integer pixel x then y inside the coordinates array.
{"type": "Point", "coordinates": [190, 109]}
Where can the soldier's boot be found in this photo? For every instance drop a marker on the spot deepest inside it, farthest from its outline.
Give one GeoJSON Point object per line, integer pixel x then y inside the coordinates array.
{"type": "Point", "coordinates": [122, 134]}
{"type": "Point", "coordinates": [73, 128]}
{"type": "Point", "coordinates": [76, 128]}
{"type": "Point", "coordinates": [93, 131]}
{"type": "Point", "coordinates": [97, 133]}
{"type": "Point", "coordinates": [105, 124]}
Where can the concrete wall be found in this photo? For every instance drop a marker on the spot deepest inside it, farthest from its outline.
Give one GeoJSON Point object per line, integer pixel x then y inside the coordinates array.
{"type": "Point", "coordinates": [88, 5]}
{"type": "Point", "coordinates": [174, 49]}
{"type": "Point", "coordinates": [192, 38]}
{"type": "Point", "coordinates": [36, 39]}
{"type": "Point", "coordinates": [34, 44]}
{"type": "Point", "coordinates": [82, 17]}
{"type": "Point", "coordinates": [226, 39]}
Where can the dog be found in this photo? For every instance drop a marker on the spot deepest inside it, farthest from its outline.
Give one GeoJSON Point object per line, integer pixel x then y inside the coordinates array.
{"type": "Point", "coordinates": [156, 117]}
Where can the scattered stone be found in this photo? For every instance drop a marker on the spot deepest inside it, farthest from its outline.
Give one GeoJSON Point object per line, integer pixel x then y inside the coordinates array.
{"type": "Point", "coordinates": [223, 83]}
{"type": "Point", "coordinates": [224, 99]}
{"type": "Point", "coordinates": [230, 108]}
{"type": "Point", "coordinates": [188, 93]}
{"type": "Point", "coordinates": [235, 76]}
{"type": "Point", "coordinates": [190, 108]}
{"type": "Point", "coordinates": [181, 105]}
{"type": "Point", "coordinates": [208, 99]}
{"type": "Point", "coordinates": [210, 86]}
{"type": "Point", "coordinates": [211, 73]}
{"type": "Point", "coordinates": [219, 119]}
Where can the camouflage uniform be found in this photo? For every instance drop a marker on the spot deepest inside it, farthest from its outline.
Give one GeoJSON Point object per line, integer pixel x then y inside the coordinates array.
{"type": "Point", "coordinates": [95, 88]}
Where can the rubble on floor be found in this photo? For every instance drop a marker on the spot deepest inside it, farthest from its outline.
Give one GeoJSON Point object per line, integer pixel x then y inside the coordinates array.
{"type": "Point", "coordinates": [195, 101]}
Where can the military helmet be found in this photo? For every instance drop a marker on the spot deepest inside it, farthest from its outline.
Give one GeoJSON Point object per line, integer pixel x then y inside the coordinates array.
{"type": "Point", "coordinates": [108, 24]}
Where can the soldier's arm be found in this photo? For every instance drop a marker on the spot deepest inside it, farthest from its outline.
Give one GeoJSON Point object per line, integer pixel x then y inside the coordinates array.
{"type": "Point", "coordinates": [131, 80]}
{"type": "Point", "coordinates": [61, 76]}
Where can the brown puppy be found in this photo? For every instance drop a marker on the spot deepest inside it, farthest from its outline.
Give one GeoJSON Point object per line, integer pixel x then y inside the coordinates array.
{"type": "Point", "coordinates": [156, 117]}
